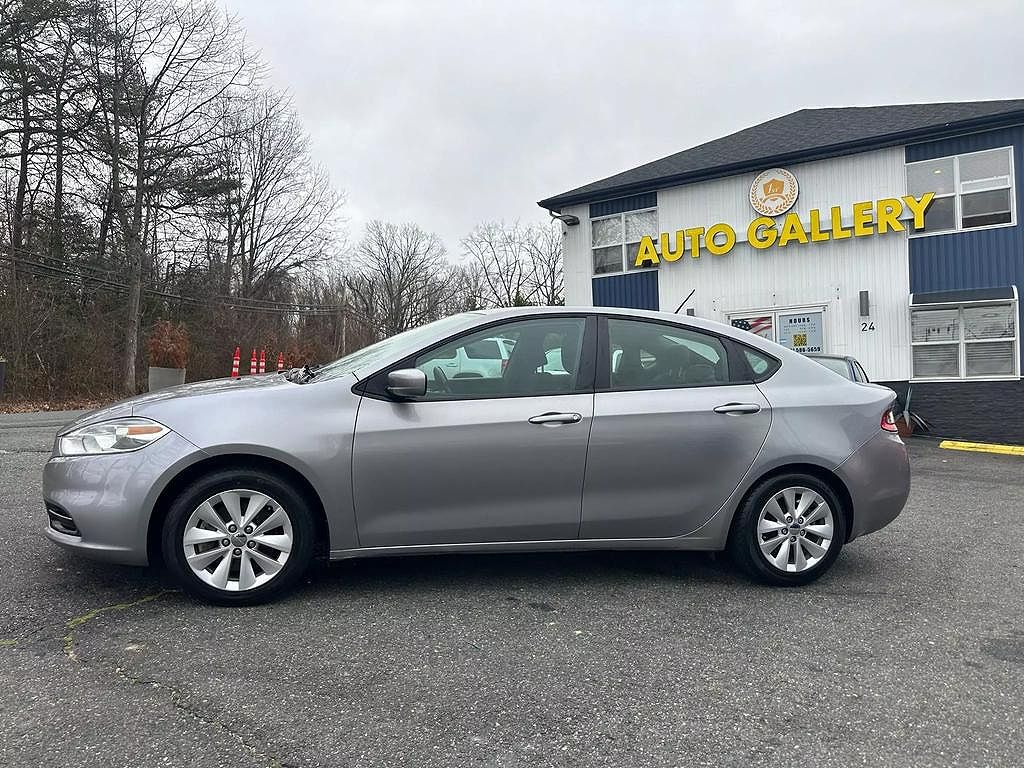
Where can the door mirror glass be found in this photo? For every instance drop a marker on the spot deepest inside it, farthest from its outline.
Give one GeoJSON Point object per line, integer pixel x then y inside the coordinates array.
{"type": "Point", "coordinates": [407, 382]}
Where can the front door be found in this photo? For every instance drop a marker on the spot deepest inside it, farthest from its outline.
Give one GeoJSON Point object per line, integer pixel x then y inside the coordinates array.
{"type": "Point", "coordinates": [494, 457]}
{"type": "Point", "coordinates": [675, 429]}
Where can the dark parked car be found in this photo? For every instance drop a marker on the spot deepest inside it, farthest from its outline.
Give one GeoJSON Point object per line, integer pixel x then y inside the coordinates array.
{"type": "Point", "coordinates": [846, 366]}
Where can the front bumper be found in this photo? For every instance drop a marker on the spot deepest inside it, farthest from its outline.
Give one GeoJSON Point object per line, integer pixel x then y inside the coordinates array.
{"type": "Point", "coordinates": [110, 498]}
{"type": "Point", "coordinates": [877, 476]}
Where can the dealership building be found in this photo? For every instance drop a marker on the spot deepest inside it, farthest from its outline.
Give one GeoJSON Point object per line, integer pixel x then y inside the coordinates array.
{"type": "Point", "coordinates": [891, 234]}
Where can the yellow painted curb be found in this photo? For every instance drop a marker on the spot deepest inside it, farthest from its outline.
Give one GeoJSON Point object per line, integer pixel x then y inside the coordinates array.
{"type": "Point", "coordinates": [1009, 450]}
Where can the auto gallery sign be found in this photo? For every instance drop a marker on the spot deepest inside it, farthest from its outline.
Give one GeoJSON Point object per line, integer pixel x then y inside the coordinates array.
{"type": "Point", "coordinates": [773, 194]}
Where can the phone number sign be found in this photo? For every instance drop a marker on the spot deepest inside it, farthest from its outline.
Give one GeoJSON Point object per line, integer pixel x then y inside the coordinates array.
{"type": "Point", "coordinates": [801, 332]}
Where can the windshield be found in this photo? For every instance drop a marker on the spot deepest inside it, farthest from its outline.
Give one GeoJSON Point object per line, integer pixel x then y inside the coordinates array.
{"type": "Point", "coordinates": [369, 356]}
{"type": "Point", "coordinates": [834, 364]}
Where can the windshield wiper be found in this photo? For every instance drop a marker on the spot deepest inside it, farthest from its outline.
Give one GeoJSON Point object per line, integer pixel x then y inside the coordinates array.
{"type": "Point", "coordinates": [306, 373]}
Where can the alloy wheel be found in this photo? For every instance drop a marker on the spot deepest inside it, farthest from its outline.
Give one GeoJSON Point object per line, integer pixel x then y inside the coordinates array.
{"type": "Point", "coordinates": [238, 540]}
{"type": "Point", "coordinates": [795, 529]}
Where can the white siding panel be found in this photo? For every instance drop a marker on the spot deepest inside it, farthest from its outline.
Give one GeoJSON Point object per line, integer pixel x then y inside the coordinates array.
{"type": "Point", "coordinates": [830, 274]}
{"type": "Point", "coordinates": [578, 265]}
{"type": "Point", "coordinates": [838, 181]}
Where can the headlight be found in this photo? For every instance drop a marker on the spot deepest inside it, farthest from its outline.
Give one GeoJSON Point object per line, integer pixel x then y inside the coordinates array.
{"type": "Point", "coordinates": [117, 436]}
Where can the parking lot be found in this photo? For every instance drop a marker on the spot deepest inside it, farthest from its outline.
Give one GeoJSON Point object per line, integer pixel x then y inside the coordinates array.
{"type": "Point", "coordinates": [910, 652]}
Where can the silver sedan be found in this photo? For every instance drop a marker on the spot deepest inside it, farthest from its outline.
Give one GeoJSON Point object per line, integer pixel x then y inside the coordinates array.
{"type": "Point", "coordinates": [590, 428]}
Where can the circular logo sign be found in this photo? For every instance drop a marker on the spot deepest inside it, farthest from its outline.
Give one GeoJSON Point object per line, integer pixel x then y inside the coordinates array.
{"type": "Point", "coordinates": [774, 192]}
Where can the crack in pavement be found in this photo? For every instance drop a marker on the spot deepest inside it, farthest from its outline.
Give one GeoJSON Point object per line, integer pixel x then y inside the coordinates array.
{"type": "Point", "coordinates": [77, 621]}
{"type": "Point", "coordinates": [174, 694]}
{"type": "Point", "coordinates": [176, 699]}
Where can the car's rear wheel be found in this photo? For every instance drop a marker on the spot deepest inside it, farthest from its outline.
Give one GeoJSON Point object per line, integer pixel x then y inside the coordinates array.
{"type": "Point", "coordinates": [238, 537]}
{"type": "Point", "coordinates": [789, 530]}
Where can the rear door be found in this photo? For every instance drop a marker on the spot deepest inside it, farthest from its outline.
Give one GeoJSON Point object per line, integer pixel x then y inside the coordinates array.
{"type": "Point", "coordinates": [489, 458]}
{"type": "Point", "coordinates": [677, 423]}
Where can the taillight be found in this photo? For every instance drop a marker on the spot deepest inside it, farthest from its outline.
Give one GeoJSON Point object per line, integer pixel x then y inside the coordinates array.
{"type": "Point", "coordinates": [889, 421]}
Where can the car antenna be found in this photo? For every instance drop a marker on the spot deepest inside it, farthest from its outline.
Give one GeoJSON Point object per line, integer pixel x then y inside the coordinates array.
{"type": "Point", "coordinates": [684, 301]}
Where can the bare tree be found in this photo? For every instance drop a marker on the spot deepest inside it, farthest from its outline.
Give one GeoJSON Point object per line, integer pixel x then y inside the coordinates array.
{"type": "Point", "coordinates": [516, 264]}
{"type": "Point", "coordinates": [160, 71]}
{"type": "Point", "coordinates": [145, 176]}
{"type": "Point", "coordinates": [502, 254]}
{"type": "Point", "coordinates": [545, 281]}
{"type": "Point", "coordinates": [402, 278]}
{"type": "Point", "coordinates": [280, 204]}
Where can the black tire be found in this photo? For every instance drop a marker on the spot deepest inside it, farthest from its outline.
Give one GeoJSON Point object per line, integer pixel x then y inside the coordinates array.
{"type": "Point", "coordinates": [303, 534]}
{"type": "Point", "coordinates": [745, 540]}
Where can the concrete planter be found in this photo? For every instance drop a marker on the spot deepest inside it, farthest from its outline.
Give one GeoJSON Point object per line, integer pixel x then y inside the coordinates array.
{"type": "Point", "coordinates": [161, 378]}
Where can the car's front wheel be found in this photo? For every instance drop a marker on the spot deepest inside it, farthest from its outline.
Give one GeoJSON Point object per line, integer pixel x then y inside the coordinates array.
{"type": "Point", "coordinates": [789, 530]}
{"type": "Point", "coordinates": [238, 537]}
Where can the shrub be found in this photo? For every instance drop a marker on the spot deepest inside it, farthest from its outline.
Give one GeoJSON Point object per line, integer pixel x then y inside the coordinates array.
{"type": "Point", "coordinates": [167, 346]}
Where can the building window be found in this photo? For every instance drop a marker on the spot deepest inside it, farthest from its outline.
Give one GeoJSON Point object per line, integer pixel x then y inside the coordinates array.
{"type": "Point", "coordinates": [801, 330]}
{"type": "Point", "coordinates": [615, 239]}
{"type": "Point", "coordinates": [971, 190]}
{"type": "Point", "coordinates": [967, 341]}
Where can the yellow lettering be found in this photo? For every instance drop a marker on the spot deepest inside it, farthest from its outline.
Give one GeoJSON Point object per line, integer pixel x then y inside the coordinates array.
{"type": "Point", "coordinates": [838, 233]}
{"type": "Point", "coordinates": [714, 248]}
{"type": "Point", "coordinates": [887, 215]}
{"type": "Point", "coordinates": [862, 224]}
{"type": "Point", "coordinates": [792, 229]}
{"type": "Point", "coordinates": [761, 233]}
{"type": "Point", "coordinates": [694, 234]}
{"type": "Point", "coordinates": [817, 235]}
{"type": "Point", "coordinates": [918, 207]}
{"type": "Point", "coordinates": [667, 253]}
{"type": "Point", "coordinates": [647, 253]}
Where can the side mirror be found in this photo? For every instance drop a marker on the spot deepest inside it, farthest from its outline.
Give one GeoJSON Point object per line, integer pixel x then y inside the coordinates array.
{"type": "Point", "coordinates": [407, 382]}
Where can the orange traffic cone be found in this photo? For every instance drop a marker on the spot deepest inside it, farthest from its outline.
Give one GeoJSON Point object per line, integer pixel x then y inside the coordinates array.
{"type": "Point", "coordinates": [234, 362]}
{"type": "Point", "coordinates": [252, 363]}
{"type": "Point", "coordinates": [263, 361]}
{"type": "Point", "coordinates": [280, 361]}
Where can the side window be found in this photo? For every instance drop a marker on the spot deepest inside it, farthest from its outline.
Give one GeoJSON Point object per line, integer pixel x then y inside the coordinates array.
{"type": "Point", "coordinates": [646, 355]}
{"type": "Point", "coordinates": [542, 358]}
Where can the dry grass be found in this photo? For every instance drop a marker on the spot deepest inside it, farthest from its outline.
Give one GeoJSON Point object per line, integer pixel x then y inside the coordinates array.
{"type": "Point", "coordinates": [69, 404]}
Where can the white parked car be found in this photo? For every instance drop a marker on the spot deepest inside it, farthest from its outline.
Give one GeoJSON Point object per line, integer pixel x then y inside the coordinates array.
{"type": "Point", "coordinates": [485, 358]}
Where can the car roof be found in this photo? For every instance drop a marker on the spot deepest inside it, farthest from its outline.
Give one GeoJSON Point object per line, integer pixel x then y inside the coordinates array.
{"type": "Point", "coordinates": [816, 355]}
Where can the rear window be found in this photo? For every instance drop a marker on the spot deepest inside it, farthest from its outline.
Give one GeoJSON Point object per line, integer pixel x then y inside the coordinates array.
{"type": "Point", "coordinates": [761, 365]}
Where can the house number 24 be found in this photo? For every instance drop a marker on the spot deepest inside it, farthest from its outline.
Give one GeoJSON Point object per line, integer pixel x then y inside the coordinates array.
{"type": "Point", "coordinates": [869, 326]}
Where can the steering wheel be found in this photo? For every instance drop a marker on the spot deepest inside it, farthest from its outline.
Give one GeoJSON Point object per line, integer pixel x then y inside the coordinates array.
{"type": "Point", "coordinates": [441, 380]}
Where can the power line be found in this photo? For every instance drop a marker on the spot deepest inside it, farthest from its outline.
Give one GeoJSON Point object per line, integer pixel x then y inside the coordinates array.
{"type": "Point", "coordinates": [266, 306]}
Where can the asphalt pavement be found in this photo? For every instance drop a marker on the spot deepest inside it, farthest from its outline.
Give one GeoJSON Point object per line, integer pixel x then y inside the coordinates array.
{"type": "Point", "coordinates": [909, 653]}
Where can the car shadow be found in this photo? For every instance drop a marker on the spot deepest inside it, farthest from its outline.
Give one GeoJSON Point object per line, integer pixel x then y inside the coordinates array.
{"type": "Point", "coordinates": [502, 570]}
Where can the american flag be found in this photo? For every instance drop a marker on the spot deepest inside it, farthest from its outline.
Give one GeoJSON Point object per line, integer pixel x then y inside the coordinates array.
{"type": "Point", "coordinates": [762, 326]}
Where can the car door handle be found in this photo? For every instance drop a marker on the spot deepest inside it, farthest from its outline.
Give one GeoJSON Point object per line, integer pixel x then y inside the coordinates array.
{"type": "Point", "coordinates": [738, 408]}
{"type": "Point", "coordinates": [556, 418]}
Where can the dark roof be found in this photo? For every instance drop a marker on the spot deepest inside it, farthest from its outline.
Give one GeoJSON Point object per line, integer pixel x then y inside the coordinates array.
{"type": "Point", "coordinates": [809, 134]}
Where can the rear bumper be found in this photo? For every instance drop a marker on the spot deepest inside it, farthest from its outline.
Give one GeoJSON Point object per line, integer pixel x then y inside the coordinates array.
{"type": "Point", "coordinates": [877, 476]}
{"type": "Point", "coordinates": [100, 505]}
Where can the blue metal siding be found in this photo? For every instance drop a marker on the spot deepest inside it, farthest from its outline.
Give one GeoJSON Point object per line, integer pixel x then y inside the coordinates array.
{"type": "Point", "coordinates": [623, 204]}
{"type": "Point", "coordinates": [635, 290]}
{"type": "Point", "coordinates": [987, 258]}
{"type": "Point", "coordinates": [984, 259]}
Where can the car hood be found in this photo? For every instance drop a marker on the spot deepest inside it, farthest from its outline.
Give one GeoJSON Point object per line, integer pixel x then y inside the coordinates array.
{"type": "Point", "coordinates": [141, 404]}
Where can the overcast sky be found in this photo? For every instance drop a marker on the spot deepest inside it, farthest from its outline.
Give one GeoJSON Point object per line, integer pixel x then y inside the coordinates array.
{"type": "Point", "coordinates": [449, 113]}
